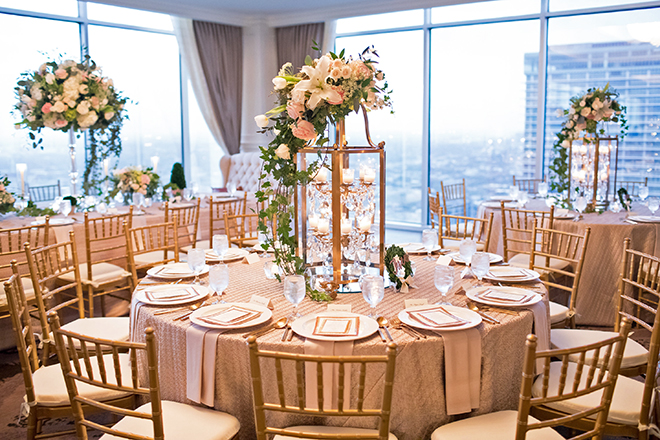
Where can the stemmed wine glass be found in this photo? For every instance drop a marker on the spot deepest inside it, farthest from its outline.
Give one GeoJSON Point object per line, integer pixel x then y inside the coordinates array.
{"type": "Point", "coordinates": [466, 250]}
{"type": "Point", "coordinates": [654, 203]}
{"type": "Point", "coordinates": [480, 265]}
{"type": "Point", "coordinates": [429, 241]}
{"type": "Point", "coordinates": [196, 261]}
{"type": "Point", "coordinates": [543, 189]}
{"type": "Point", "coordinates": [643, 192]}
{"type": "Point", "coordinates": [65, 207]}
{"type": "Point", "coordinates": [138, 200]}
{"type": "Point", "coordinates": [231, 187]}
{"type": "Point", "coordinates": [220, 245]}
{"type": "Point", "coordinates": [522, 198]}
{"type": "Point", "coordinates": [188, 194]}
{"type": "Point", "coordinates": [294, 292]}
{"type": "Point", "coordinates": [580, 206]}
{"type": "Point", "coordinates": [219, 279]}
{"type": "Point", "coordinates": [443, 277]}
{"type": "Point", "coordinates": [373, 291]}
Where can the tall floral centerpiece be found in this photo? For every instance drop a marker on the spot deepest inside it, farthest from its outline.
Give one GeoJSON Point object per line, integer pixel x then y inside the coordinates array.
{"type": "Point", "coordinates": [584, 124]}
{"type": "Point", "coordinates": [132, 180]}
{"type": "Point", "coordinates": [73, 97]}
{"type": "Point", "coordinates": [6, 198]}
{"type": "Point", "coordinates": [324, 91]}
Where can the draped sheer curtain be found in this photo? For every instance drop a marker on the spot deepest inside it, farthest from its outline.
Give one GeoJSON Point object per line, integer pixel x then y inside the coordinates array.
{"type": "Point", "coordinates": [294, 43]}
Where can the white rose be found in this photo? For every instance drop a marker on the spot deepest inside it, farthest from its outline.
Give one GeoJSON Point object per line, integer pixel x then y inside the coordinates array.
{"type": "Point", "coordinates": [283, 152]}
{"type": "Point", "coordinates": [261, 120]}
{"type": "Point", "coordinates": [571, 111]}
{"type": "Point", "coordinates": [50, 78]}
{"type": "Point", "coordinates": [83, 89]}
{"type": "Point", "coordinates": [86, 121]}
{"type": "Point", "coordinates": [566, 144]}
{"type": "Point", "coordinates": [279, 83]}
{"type": "Point", "coordinates": [585, 111]}
{"type": "Point", "coordinates": [58, 107]}
{"type": "Point", "coordinates": [83, 108]}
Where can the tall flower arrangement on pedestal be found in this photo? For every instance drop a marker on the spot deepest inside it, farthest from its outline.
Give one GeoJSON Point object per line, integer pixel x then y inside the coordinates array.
{"type": "Point", "coordinates": [325, 91]}
{"type": "Point", "coordinates": [583, 117]}
{"type": "Point", "coordinates": [72, 96]}
{"type": "Point", "coordinates": [6, 198]}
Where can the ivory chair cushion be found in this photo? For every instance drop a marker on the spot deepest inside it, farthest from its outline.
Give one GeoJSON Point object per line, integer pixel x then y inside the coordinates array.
{"type": "Point", "coordinates": [558, 312]}
{"type": "Point", "coordinates": [327, 430]}
{"type": "Point", "coordinates": [114, 328]}
{"type": "Point", "coordinates": [454, 244]}
{"type": "Point", "coordinates": [150, 258]}
{"type": "Point", "coordinates": [182, 422]}
{"type": "Point", "coordinates": [522, 260]}
{"type": "Point", "coordinates": [201, 244]}
{"type": "Point", "coordinates": [634, 354]}
{"type": "Point", "coordinates": [499, 425]}
{"type": "Point", "coordinates": [27, 287]}
{"type": "Point", "coordinates": [455, 228]}
{"type": "Point", "coordinates": [626, 402]}
{"type": "Point", "coordinates": [102, 273]}
{"type": "Point", "coordinates": [50, 388]}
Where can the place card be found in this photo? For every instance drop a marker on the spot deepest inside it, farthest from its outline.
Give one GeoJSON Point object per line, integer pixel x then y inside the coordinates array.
{"type": "Point", "coordinates": [500, 295]}
{"type": "Point", "coordinates": [164, 295]}
{"type": "Point", "coordinates": [408, 303]}
{"type": "Point", "coordinates": [251, 259]}
{"type": "Point", "coordinates": [436, 317]}
{"type": "Point", "coordinates": [261, 301]}
{"type": "Point", "coordinates": [337, 326]}
{"type": "Point", "coordinates": [339, 308]}
{"type": "Point", "coordinates": [444, 260]}
{"type": "Point", "coordinates": [230, 316]}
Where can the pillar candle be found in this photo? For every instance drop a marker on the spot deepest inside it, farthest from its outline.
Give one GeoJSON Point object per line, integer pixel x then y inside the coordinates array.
{"type": "Point", "coordinates": [321, 175]}
{"type": "Point", "coordinates": [21, 168]}
{"type": "Point", "coordinates": [365, 224]}
{"type": "Point", "coordinates": [324, 225]}
{"type": "Point", "coordinates": [313, 221]}
{"type": "Point", "coordinates": [346, 226]}
{"type": "Point", "coordinates": [154, 163]}
{"type": "Point", "coordinates": [348, 175]}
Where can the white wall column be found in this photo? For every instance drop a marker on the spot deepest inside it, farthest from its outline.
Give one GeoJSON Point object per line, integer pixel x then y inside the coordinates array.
{"type": "Point", "coordinates": [259, 68]}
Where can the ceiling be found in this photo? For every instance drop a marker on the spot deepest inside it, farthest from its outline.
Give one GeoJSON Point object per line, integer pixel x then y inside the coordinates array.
{"type": "Point", "coordinates": [275, 12]}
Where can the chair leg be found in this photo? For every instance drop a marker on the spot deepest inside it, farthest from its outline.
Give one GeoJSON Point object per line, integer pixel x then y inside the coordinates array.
{"type": "Point", "coordinates": [32, 425]}
{"type": "Point", "coordinates": [102, 305]}
{"type": "Point", "coordinates": [90, 299]}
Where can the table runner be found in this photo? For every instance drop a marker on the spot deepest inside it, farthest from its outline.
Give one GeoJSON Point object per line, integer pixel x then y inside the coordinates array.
{"type": "Point", "coordinates": [330, 373]}
{"type": "Point", "coordinates": [462, 370]}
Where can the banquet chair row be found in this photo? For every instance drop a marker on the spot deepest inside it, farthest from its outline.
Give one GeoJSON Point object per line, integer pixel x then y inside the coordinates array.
{"type": "Point", "coordinates": [456, 228]}
{"type": "Point", "coordinates": [44, 193]}
{"type": "Point", "coordinates": [631, 186]}
{"type": "Point", "coordinates": [529, 185]}
{"type": "Point", "coordinates": [217, 210]}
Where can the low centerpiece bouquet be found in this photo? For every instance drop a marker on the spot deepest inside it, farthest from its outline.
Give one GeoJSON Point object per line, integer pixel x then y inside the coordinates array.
{"type": "Point", "coordinates": [7, 199]}
{"type": "Point", "coordinates": [132, 180]}
{"type": "Point", "coordinates": [399, 268]}
{"type": "Point", "coordinates": [324, 91]}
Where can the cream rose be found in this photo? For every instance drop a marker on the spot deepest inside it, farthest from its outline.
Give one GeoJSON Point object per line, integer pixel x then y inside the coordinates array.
{"type": "Point", "coordinates": [262, 121]}
{"type": "Point", "coordinates": [279, 83]}
{"type": "Point", "coordinates": [585, 111]}
{"type": "Point", "coordinates": [58, 107]}
{"type": "Point", "coordinates": [283, 152]}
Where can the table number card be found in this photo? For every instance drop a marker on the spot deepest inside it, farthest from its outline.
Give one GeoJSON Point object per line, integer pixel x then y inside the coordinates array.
{"type": "Point", "coordinates": [251, 259]}
{"type": "Point", "coordinates": [444, 260]}
{"type": "Point", "coordinates": [339, 307]}
{"type": "Point", "coordinates": [261, 301]}
{"type": "Point", "coordinates": [415, 302]}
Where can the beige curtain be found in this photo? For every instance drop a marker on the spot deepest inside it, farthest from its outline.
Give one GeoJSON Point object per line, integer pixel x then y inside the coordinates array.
{"type": "Point", "coordinates": [294, 43]}
{"type": "Point", "coordinates": [220, 50]}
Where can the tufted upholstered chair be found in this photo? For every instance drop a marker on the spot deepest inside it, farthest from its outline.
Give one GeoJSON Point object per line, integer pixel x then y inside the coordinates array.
{"type": "Point", "coordinates": [242, 169]}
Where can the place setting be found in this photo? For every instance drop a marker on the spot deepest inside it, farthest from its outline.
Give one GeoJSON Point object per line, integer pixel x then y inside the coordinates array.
{"type": "Point", "coordinates": [511, 274]}
{"type": "Point", "coordinates": [503, 296]}
{"type": "Point", "coordinates": [175, 271]}
{"type": "Point", "coordinates": [221, 252]}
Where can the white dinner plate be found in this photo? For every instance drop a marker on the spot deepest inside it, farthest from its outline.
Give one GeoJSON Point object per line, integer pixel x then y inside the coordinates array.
{"type": "Point", "coordinates": [456, 256]}
{"type": "Point", "coordinates": [474, 295]}
{"type": "Point", "coordinates": [55, 222]}
{"type": "Point", "coordinates": [417, 248]}
{"type": "Point", "coordinates": [232, 254]}
{"type": "Point", "coordinates": [265, 315]}
{"type": "Point", "coordinates": [305, 327]}
{"type": "Point", "coordinates": [645, 218]}
{"type": "Point", "coordinates": [174, 271]}
{"type": "Point", "coordinates": [499, 273]}
{"type": "Point", "coordinates": [141, 294]}
{"type": "Point", "coordinates": [472, 319]}
{"type": "Point", "coordinates": [502, 198]}
{"type": "Point", "coordinates": [497, 204]}
{"type": "Point", "coordinates": [567, 216]}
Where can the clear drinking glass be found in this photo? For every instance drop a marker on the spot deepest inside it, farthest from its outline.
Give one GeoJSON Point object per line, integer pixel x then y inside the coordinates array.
{"type": "Point", "coordinates": [188, 194]}
{"type": "Point", "coordinates": [262, 240]}
{"type": "Point", "coordinates": [429, 241]}
{"type": "Point", "coordinates": [480, 265]}
{"type": "Point", "coordinates": [65, 207]}
{"type": "Point", "coordinates": [580, 206]}
{"type": "Point", "coordinates": [643, 192]}
{"type": "Point", "coordinates": [373, 291]}
{"type": "Point", "coordinates": [513, 192]}
{"type": "Point", "coordinates": [523, 198]}
{"type": "Point", "coordinates": [467, 249]}
{"type": "Point", "coordinates": [653, 205]}
{"type": "Point", "coordinates": [231, 187]}
{"type": "Point", "coordinates": [543, 189]}
{"type": "Point", "coordinates": [443, 277]}
{"type": "Point", "coordinates": [294, 292]}
{"type": "Point", "coordinates": [196, 261]}
{"type": "Point", "coordinates": [220, 245]}
{"type": "Point", "coordinates": [219, 279]}
{"type": "Point", "coordinates": [271, 270]}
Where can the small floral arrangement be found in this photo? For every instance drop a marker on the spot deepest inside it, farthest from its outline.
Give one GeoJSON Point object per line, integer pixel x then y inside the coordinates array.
{"type": "Point", "coordinates": [325, 91]}
{"type": "Point", "coordinates": [6, 198]}
{"type": "Point", "coordinates": [130, 180]}
{"type": "Point", "coordinates": [625, 199]}
{"type": "Point", "coordinates": [399, 268]}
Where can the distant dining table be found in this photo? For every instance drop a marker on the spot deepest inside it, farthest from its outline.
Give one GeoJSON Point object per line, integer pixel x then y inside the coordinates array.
{"type": "Point", "coordinates": [420, 398]}
{"type": "Point", "coordinates": [596, 301]}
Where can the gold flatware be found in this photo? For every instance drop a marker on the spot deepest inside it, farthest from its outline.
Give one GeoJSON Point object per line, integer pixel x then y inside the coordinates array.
{"type": "Point", "coordinates": [498, 310]}
{"type": "Point", "coordinates": [280, 323]}
{"type": "Point", "coordinates": [287, 329]}
{"type": "Point", "coordinates": [290, 337]}
{"type": "Point", "coordinates": [472, 306]}
{"type": "Point", "coordinates": [187, 314]}
{"type": "Point", "coordinates": [397, 323]}
{"type": "Point", "coordinates": [382, 323]}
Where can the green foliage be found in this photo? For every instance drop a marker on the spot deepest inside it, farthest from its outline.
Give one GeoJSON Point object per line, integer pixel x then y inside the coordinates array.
{"type": "Point", "coordinates": [32, 211]}
{"type": "Point", "coordinates": [395, 260]}
{"type": "Point", "coordinates": [178, 176]}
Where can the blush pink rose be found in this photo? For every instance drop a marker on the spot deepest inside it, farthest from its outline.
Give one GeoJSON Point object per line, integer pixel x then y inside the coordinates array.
{"type": "Point", "coordinates": [144, 179]}
{"type": "Point", "coordinates": [2, 187]}
{"type": "Point", "coordinates": [341, 93]}
{"type": "Point", "coordinates": [46, 107]}
{"type": "Point", "coordinates": [303, 130]}
{"type": "Point", "coordinates": [60, 123]}
{"type": "Point", "coordinates": [61, 73]}
{"type": "Point", "coordinates": [294, 109]}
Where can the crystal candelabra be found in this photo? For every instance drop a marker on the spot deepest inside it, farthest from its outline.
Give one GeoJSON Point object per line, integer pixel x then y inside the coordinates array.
{"type": "Point", "coordinates": [590, 163]}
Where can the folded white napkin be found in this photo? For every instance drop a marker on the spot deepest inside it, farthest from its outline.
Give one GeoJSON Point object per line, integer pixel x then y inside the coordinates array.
{"type": "Point", "coordinates": [133, 317]}
{"type": "Point", "coordinates": [462, 370]}
{"type": "Point", "coordinates": [541, 329]}
{"type": "Point", "coordinates": [330, 373]}
{"type": "Point", "coordinates": [201, 346]}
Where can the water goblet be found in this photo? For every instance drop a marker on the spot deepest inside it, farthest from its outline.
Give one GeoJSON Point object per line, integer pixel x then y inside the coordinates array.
{"type": "Point", "coordinates": [147, 202]}
{"type": "Point", "coordinates": [196, 261]}
{"type": "Point", "coordinates": [294, 292]}
{"type": "Point", "coordinates": [102, 208]}
{"type": "Point", "coordinates": [643, 192]}
{"type": "Point", "coordinates": [543, 189]}
{"type": "Point", "coordinates": [654, 203]}
{"type": "Point", "coordinates": [65, 207]}
{"type": "Point", "coordinates": [271, 270]}
{"type": "Point", "coordinates": [480, 265]}
{"type": "Point", "coordinates": [373, 291]}
{"type": "Point", "coordinates": [523, 198]}
{"type": "Point", "coordinates": [513, 192]}
{"type": "Point", "coordinates": [580, 206]}
{"type": "Point", "coordinates": [188, 194]}
{"type": "Point", "coordinates": [467, 249]}
{"type": "Point", "coordinates": [220, 245]}
{"type": "Point", "coordinates": [443, 278]}
{"type": "Point", "coordinates": [429, 241]}
{"type": "Point", "coordinates": [231, 187]}
{"type": "Point", "coordinates": [219, 279]}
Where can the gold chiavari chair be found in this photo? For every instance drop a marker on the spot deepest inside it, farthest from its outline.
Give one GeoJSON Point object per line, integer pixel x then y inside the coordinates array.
{"type": "Point", "coordinates": [242, 229]}
{"type": "Point", "coordinates": [453, 196]}
{"type": "Point", "coordinates": [434, 208]}
{"type": "Point", "coordinates": [187, 223]}
{"type": "Point", "coordinates": [631, 186]}
{"type": "Point", "coordinates": [552, 252]}
{"type": "Point", "coordinates": [589, 381]}
{"type": "Point", "coordinates": [259, 358]}
{"type": "Point", "coordinates": [159, 240]}
{"type": "Point", "coordinates": [517, 225]}
{"type": "Point", "coordinates": [44, 193]}
{"type": "Point", "coordinates": [217, 208]}
{"type": "Point", "coordinates": [154, 419]}
{"type": "Point", "coordinates": [529, 185]}
{"type": "Point", "coordinates": [45, 391]}
{"type": "Point", "coordinates": [51, 264]}
{"type": "Point", "coordinates": [477, 229]}
{"type": "Point", "coordinates": [634, 411]}
{"type": "Point", "coordinates": [11, 249]}
{"type": "Point", "coordinates": [637, 299]}
{"type": "Point", "coordinates": [105, 270]}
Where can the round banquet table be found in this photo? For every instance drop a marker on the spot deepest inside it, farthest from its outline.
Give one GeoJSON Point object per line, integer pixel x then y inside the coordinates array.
{"type": "Point", "coordinates": [418, 398]}
{"type": "Point", "coordinates": [596, 301]}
